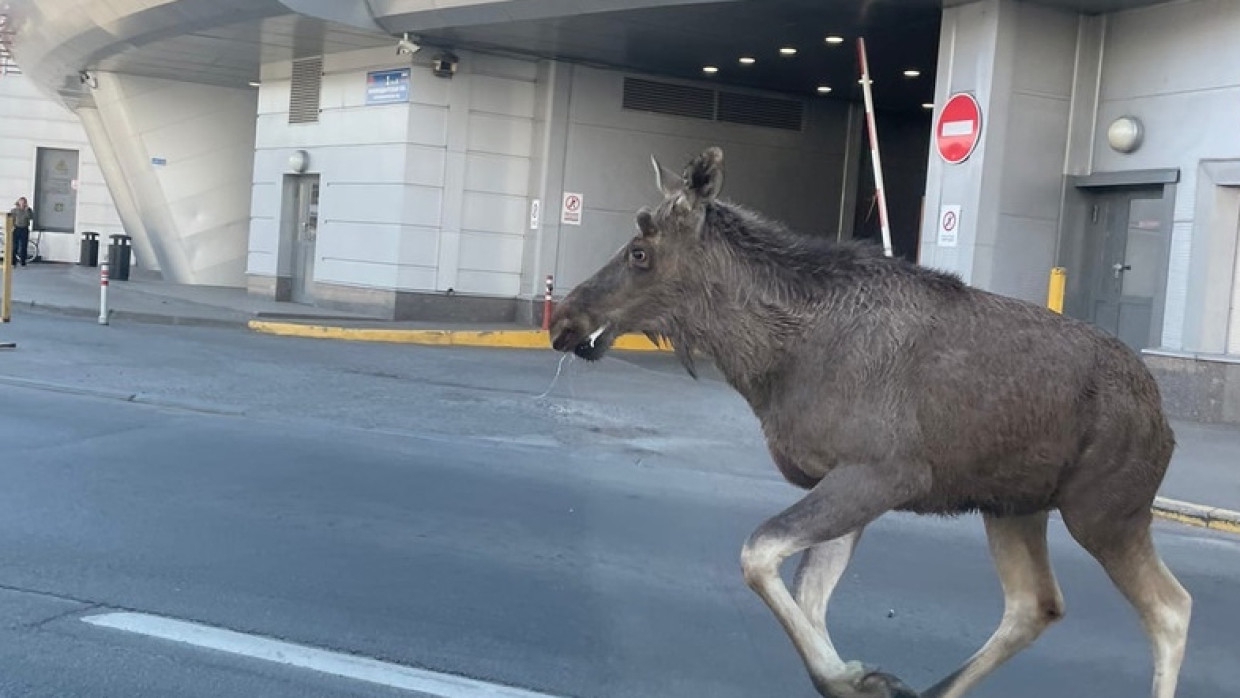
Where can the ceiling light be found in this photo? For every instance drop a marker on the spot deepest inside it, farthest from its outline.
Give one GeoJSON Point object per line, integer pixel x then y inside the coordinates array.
{"type": "Point", "coordinates": [823, 89]}
{"type": "Point", "coordinates": [255, 83]}
{"type": "Point", "coordinates": [912, 73]}
{"type": "Point", "coordinates": [748, 60]}
{"type": "Point", "coordinates": [788, 51]}
{"type": "Point", "coordinates": [835, 39]}
{"type": "Point", "coordinates": [710, 69]}
{"type": "Point", "coordinates": [928, 105]}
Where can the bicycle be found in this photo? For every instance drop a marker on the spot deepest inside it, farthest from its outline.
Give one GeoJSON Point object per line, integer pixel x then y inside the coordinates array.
{"type": "Point", "coordinates": [32, 245]}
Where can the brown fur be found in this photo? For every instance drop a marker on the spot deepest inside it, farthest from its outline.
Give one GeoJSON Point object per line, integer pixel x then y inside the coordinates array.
{"type": "Point", "coordinates": [882, 385]}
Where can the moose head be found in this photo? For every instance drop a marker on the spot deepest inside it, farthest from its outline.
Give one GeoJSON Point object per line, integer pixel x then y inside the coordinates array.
{"type": "Point", "coordinates": [643, 287]}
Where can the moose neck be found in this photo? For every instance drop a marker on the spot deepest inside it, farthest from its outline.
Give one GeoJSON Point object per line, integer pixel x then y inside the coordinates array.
{"type": "Point", "coordinates": [758, 287]}
{"type": "Point", "coordinates": [744, 339]}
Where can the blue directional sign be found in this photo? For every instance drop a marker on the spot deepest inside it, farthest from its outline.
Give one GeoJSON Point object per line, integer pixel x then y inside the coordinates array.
{"type": "Point", "coordinates": [387, 86]}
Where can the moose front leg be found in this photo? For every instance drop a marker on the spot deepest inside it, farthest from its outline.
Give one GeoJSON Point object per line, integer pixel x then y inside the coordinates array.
{"type": "Point", "coordinates": [847, 499]}
{"type": "Point", "coordinates": [819, 573]}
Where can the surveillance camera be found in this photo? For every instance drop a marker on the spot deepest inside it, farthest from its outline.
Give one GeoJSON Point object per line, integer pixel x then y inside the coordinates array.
{"type": "Point", "coordinates": [443, 65]}
{"type": "Point", "coordinates": [406, 46]}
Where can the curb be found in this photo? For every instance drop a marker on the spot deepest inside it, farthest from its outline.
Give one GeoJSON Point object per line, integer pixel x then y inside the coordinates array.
{"type": "Point", "coordinates": [130, 315]}
{"type": "Point", "coordinates": [495, 339]}
{"type": "Point", "coordinates": [1213, 518]}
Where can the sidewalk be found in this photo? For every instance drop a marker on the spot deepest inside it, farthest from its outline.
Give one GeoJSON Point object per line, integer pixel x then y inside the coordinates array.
{"type": "Point", "coordinates": [1204, 474]}
{"type": "Point", "coordinates": [74, 290]}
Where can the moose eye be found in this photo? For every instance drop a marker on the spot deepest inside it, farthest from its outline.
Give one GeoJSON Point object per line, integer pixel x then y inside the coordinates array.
{"type": "Point", "coordinates": [639, 256]}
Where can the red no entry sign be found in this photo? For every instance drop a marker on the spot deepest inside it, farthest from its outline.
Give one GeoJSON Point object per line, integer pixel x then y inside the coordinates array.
{"type": "Point", "coordinates": [958, 128]}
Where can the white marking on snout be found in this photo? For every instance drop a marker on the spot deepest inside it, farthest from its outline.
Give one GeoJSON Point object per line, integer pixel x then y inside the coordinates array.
{"type": "Point", "coordinates": [597, 333]}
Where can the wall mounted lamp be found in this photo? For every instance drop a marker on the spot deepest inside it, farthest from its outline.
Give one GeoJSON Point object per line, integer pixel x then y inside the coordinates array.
{"type": "Point", "coordinates": [299, 161]}
{"type": "Point", "coordinates": [1125, 133]}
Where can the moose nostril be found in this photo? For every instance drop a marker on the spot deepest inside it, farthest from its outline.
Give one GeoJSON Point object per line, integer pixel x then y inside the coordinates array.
{"type": "Point", "coordinates": [562, 339]}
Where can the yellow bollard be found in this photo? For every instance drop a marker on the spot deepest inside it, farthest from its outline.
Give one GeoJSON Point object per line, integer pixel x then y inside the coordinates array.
{"type": "Point", "coordinates": [6, 303]}
{"type": "Point", "coordinates": [1059, 281]}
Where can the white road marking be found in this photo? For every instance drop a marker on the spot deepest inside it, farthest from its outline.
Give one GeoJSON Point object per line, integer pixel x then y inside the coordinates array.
{"type": "Point", "coordinates": [339, 664]}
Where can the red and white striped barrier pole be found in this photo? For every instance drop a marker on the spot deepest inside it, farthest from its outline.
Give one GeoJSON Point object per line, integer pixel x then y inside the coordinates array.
{"type": "Point", "coordinates": [874, 159]}
{"type": "Point", "coordinates": [103, 292]}
{"type": "Point", "coordinates": [546, 320]}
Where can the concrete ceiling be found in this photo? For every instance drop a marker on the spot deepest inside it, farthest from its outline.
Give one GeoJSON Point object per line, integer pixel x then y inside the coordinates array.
{"type": "Point", "coordinates": [225, 41]}
{"type": "Point", "coordinates": [231, 55]}
{"type": "Point", "coordinates": [220, 42]}
{"type": "Point", "coordinates": [678, 41]}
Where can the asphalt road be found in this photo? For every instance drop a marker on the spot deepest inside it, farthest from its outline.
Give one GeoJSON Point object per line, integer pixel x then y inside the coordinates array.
{"type": "Point", "coordinates": [643, 404]}
{"type": "Point", "coordinates": [574, 569]}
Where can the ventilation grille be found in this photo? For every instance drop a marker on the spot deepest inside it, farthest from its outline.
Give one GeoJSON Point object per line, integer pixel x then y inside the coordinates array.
{"type": "Point", "coordinates": [303, 98]}
{"type": "Point", "coordinates": [738, 108]}
{"type": "Point", "coordinates": [712, 105]}
{"type": "Point", "coordinates": [666, 98]}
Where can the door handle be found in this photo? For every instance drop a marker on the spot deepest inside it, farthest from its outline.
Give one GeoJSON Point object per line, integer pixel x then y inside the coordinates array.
{"type": "Point", "coordinates": [1117, 267]}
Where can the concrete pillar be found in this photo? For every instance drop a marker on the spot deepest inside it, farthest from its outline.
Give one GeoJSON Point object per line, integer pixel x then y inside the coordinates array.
{"type": "Point", "coordinates": [179, 157]}
{"type": "Point", "coordinates": [542, 242]}
{"type": "Point", "coordinates": [1019, 60]}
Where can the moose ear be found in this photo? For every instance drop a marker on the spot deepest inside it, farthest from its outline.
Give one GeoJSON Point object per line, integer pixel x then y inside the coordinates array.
{"type": "Point", "coordinates": [668, 182]}
{"type": "Point", "coordinates": [704, 174]}
{"type": "Point", "coordinates": [645, 223]}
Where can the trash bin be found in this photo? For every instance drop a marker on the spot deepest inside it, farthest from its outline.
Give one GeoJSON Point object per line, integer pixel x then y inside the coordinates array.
{"type": "Point", "coordinates": [89, 256]}
{"type": "Point", "coordinates": [118, 257]}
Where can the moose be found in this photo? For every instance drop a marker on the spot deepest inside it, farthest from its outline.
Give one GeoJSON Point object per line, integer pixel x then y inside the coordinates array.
{"type": "Point", "coordinates": [880, 385]}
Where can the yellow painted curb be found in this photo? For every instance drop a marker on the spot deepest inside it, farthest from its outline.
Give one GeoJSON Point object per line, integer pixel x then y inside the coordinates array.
{"type": "Point", "coordinates": [507, 339]}
{"type": "Point", "coordinates": [1190, 514]}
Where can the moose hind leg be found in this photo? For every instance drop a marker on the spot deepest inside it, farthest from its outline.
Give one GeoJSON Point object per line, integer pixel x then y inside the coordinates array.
{"type": "Point", "coordinates": [1125, 549]}
{"type": "Point", "coordinates": [848, 498]}
{"type": "Point", "coordinates": [819, 573]}
{"type": "Point", "coordinates": [1032, 600]}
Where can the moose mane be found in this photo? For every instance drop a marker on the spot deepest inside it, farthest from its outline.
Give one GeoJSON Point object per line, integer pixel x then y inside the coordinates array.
{"type": "Point", "coordinates": [806, 264]}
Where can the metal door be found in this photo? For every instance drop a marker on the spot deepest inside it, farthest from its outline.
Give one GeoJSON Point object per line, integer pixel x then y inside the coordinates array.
{"type": "Point", "coordinates": [305, 235]}
{"type": "Point", "coordinates": [1130, 232]}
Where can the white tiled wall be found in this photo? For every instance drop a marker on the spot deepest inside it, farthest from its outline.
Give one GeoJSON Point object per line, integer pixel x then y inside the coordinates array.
{"type": "Point", "coordinates": [1176, 66]}
{"type": "Point", "coordinates": [29, 120]}
{"type": "Point", "coordinates": [435, 194]}
{"type": "Point", "coordinates": [422, 196]}
{"type": "Point", "coordinates": [792, 176]}
{"type": "Point", "coordinates": [183, 150]}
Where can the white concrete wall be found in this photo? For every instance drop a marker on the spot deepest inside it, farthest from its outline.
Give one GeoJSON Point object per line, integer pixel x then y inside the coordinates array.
{"type": "Point", "coordinates": [423, 196]}
{"type": "Point", "coordinates": [29, 120]}
{"type": "Point", "coordinates": [435, 194]}
{"type": "Point", "coordinates": [1020, 246]}
{"type": "Point", "coordinates": [498, 144]}
{"type": "Point", "coordinates": [793, 176]}
{"type": "Point", "coordinates": [183, 151]}
{"type": "Point", "coordinates": [1233, 320]}
{"type": "Point", "coordinates": [1017, 59]}
{"type": "Point", "coordinates": [1175, 66]}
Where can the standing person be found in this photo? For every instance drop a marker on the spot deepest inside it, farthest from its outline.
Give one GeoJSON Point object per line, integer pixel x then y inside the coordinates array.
{"type": "Point", "coordinates": [22, 217]}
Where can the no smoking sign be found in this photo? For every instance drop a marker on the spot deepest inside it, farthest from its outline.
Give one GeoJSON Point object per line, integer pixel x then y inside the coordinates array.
{"type": "Point", "coordinates": [949, 225]}
{"type": "Point", "coordinates": [570, 211]}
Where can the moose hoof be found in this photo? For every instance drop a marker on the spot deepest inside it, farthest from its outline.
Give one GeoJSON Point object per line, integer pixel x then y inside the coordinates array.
{"type": "Point", "coordinates": [879, 685]}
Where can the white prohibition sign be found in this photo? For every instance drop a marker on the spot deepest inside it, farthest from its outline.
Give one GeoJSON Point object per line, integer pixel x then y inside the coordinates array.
{"type": "Point", "coordinates": [949, 225]}
{"type": "Point", "coordinates": [570, 211]}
